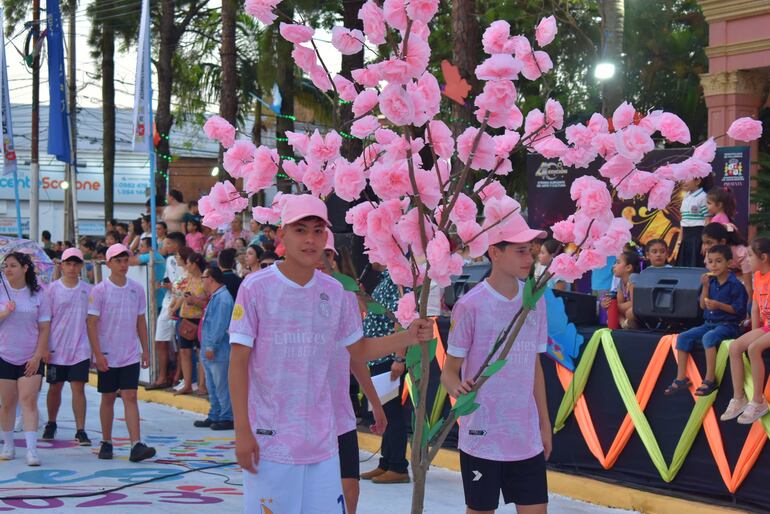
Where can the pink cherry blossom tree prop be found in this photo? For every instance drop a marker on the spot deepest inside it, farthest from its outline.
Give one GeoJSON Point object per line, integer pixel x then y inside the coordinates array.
{"type": "Point", "coordinates": [421, 204]}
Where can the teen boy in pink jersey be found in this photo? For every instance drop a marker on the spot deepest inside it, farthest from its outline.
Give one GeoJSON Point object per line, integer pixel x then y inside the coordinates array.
{"type": "Point", "coordinates": [503, 444]}
{"type": "Point", "coordinates": [70, 351]}
{"type": "Point", "coordinates": [294, 318]}
{"type": "Point", "coordinates": [116, 327]}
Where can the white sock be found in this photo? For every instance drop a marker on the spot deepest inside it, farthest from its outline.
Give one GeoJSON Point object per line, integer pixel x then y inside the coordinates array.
{"type": "Point", "coordinates": [8, 438]}
{"type": "Point", "coordinates": [18, 409]}
{"type": "Point", "coordinates": [31, 438]}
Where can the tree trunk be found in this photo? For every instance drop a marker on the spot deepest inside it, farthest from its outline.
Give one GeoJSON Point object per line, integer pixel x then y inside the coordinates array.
{"type": "Point", "coordinates": [285, 77]}
{"type": "Point", "coordinates": [228, 99]}
{"type": "Point", "coordinates": [613, 14]}
{"type": "Point", "coordinates": [163, 118]}
{"type": "Point", "coordinates": [465, 52]}
{"type": "Point", "coordinates": [108, 117]}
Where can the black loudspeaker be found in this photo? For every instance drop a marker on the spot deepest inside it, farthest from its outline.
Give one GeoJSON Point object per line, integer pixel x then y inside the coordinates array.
{"type": "Point", "coordinates": [472, 274]}
{"type": "Point", "coordinates": [580, 308]}
{"type": "Point", "coordinates": [669, 296]}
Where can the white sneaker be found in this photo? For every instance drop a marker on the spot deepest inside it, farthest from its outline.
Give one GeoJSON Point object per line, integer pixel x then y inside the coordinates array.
{"type": "Point", "coordinates": [179, 386]}
{"type": "Point", "coordinates": [33, 459]}
{"type": "Point", "coordinates": [753, 412]}
{"type": "Point", "coordinates": [734, 409]}
{"type": "Point", "coordinates": [195, 386]}
{"type": "Point", "coordinates": [9, 452]}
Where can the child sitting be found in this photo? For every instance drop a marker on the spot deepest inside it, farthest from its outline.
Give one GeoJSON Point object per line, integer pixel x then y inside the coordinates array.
{"type": "Point", "coordinates": [625, 269]}
{"type": "Point", "coordinates": [656, 253]}
{"type": "Point", "coordinates": [723, 300]}
{"type": "Point", "coordinates": [740, 264]}
{"type": "Point", "coordinates": [720, 203]}
{"type": "Point", "coordinates": [754, 342]}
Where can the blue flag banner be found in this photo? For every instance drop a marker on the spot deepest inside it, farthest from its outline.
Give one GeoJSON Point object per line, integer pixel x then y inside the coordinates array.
{"type": "Point", "coordinates": [58, 121]}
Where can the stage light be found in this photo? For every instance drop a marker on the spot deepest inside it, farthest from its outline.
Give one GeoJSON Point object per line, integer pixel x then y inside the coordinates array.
{"type": "Point", "coordinates": [604, 71]}
{"type": "Point", "coordinates": [215, 171]}
{"type": "Point", "coordinates": [64, 185]}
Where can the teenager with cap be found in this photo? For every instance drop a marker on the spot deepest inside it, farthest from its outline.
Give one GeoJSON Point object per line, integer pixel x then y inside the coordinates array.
{"type": "Point", "coordinates": [505, 443]}
{"type": "Point", "coordinates": [288, 322]}
{"type": "Point", "coordinates": [25, 323]}
{"type": "Point", "coordinates": [117, 326]}
{"type": "Point", "coordinates": [70, 351]}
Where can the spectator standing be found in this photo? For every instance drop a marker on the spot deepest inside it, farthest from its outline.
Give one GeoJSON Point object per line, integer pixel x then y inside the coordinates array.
{"type": "Point", "coordinates": [215, 350]}
{"type": "Point", "coordinates": [45, 238]}
{"type": "Point", "coordinates": [192, 212]}
{"type": "Point", "coordinates": [194, 237]}
{"type": "Point", "coordinates": [161, 231]}
{"type": "Point", "coordinates": [226, 263]}
{"type": "Point", "coordinates": [173, 213]}
{"type": "Point", "coordinates": [251, 260]}
{"type": "Point", "coordinates": [256, 233]}
{"type": "Point", "coordinates": [236, 231]}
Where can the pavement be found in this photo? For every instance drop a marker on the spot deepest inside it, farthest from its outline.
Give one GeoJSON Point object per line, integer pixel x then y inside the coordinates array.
{"type": "Point", "coordinates": [193, 467]}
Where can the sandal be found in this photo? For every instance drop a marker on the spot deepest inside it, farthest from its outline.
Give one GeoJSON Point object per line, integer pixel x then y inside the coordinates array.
{"type": "Point", "coordinates": [677, 386]}
{"type": "Point", "coordinates": [706, 388]}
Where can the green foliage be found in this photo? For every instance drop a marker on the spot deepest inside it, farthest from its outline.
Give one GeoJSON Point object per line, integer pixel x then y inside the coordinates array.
{"type": "Point", "coordinates": [375, 308]}
{"type": "Point", "coordinates": [493, 368]}
{"type": "Point", "coordinates": [760, 195]}
{"type": "Point", "coordinates": [531, 297]}
{"type": "Point", "coordinates": [347, 282]}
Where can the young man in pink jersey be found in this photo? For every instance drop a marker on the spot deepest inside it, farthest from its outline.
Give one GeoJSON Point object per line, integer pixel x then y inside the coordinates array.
{"type": "Point", "coordinates": [117, 327]}
{"type": "Point", "coordinates": [505, 443]}
{"type": "Point", "coordinates": [68, 344]}
{"type": "Point", "coordinates": [288, 321]}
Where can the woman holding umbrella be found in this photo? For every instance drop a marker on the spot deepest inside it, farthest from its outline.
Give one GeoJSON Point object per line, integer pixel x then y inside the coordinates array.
{"type": "Point", "coordinates": [25, 323]}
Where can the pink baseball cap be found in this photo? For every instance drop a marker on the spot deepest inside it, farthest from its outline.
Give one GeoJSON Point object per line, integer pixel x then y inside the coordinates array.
{"type": "Point", "coordinates": [516, 230]}
{"type": "Point", "coordinates": [72, 253]}
{"type": "Point", "coordinates": [297, 207]}
{"type": "Point", "coordinates": [115, 250]}
{"type": "Point", "coordinates": [330, 241]}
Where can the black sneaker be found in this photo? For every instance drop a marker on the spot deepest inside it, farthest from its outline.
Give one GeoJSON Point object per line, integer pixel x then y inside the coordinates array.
{"type": "Point", "coordinates": [203, 423]}
{"type": "Point", "coordinates": [82, 438]}
{"type": "Point", "coordinates": [222, 425]}
{"type": "Point", "coordinates": [49, 431]}
{"type": "Point", "coordinates": [105, 451]}
{"type": "Point", "coordinates": [140, 452]}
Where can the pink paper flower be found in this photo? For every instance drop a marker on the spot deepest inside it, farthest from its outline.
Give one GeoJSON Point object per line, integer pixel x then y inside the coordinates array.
{"type": "Point", "coordinates": [660, 194]}
{"type": "Point", "coordinates": [623, 116]}
{"type": "Point", "coordinates": [318, 180]}
{"type": "Point", "coordinates": [293, 170]}
{"type": "Point", "coordinates": [591, 195]}
{"type": "Point", "coordinates": [549, 147]}
{"type": "Point", "coordinates": [304, 57]}
{"type": "Point", "coordinates": [545, 32]}
{"type": "Point", "coordinates": [406, 312]}
{"type": "Point", "coordinates": [393, 70]}
{"type": "Point", "coordinates": [395, 14]}
{"type": "Point", "coordinates": [633, 143]}
{"type": "Point", "coordinates": [745, 129]}
{"type": "Point", "coordinates": [262, 10]}
{"type": "Point", "coordinates": [707, 151]}
{"type": "Point", "coordinates": [506, 142]}
{"type": "Point", "coordinates": [419, 30]}
{"type": "Point", "coordinates": [492, 190]}
{"type": "Point", "coordinates": [535, 122]}
{"type": "Point", "coordinates": [320, 78]}
{"type": "Point", "coordinates": [598, 124]}
{"type": "Point", "coordinates": [564, 231]}
{"type": "Point", "coordinates": [400, 271]}
{"type": "Point", "coordinates": [367, 77]}
{"type": "Point", "coordinates": [638, 183]}
{"type": "Point", "coordinates": [345, 88]}
{"type": "Point", "coordinates": [427, 186]}
{"type": "Point", "coordinates": [691, 168]}
{"type": "Point", "coordinates": [564, 267]}
{"type": "Point", "coordinates": [536, 64]}
{"type": "Point", "coordinates": [499, 210]}
{"type": "Point", "coordinates": [616, 168]}
{"type": "Point", "coordinates": [615, 238]}
{"type": "Point", "coordinates": [554, 113]}
{"type": "Point", "coordinates": [604, 145]}
{"type": "Point", "coordinates": [464, 209]}
{"type": "Point", "coordinates": [298, 141]}
{"type": "Point", "coordinates": [326, 148]}
{"type": "Point", "coordinates": [443, 263]}
{"type": "Point", "coordinates": [266, 215]}
{"type": "Point", "coordinates": [484, 156]}
{"type": "Point", "coordinates": [408, 230]}
{"type": "Point", "coordinates": [390, 181]}
{"type": "Point", "coordinates": [417, 56]}
{"type": "Point", "coordinates": [296, 33]}
{"type": "Point", "coordinates": [497, 38]}
{"type": "Point", "coordinates": [364, 127]}
{"type": "Point", "coordinates": [396, 105]}
{"type": "Point", "coordinates": [357, 216]}
{"type": "Point", "coordinates": [347, 41]}
{"type": "Point", "coordinates": [426, 95]}
{"type": "Point", "coordinates": [240, 154]}
{"type": "Point", "coordinates": [521, 46]}
{"type": "Point", "coordinates": [364, 102]}
{"type": "Point", "coordinates": [673, 128]}
{"type": "Point", "coordinates": [422, 10]}
{"type": "Point", "coordinates": [219, 129]}
{"type": "Point", "coordinates": [440, 137]}
{"type": "Point", "coordinates": [260, 173]}
{"type": "Point", "coordinates": [374, 24]}
{"type": "Point", "coordinates": [381, 222]}
{"type": "Point", "coordinates": [498, 96]}
{"type": "Point", "coordinates": [578, 157]}
{"type": "Point", "coordinates": [498, 67]}
{"type": "Point", "coordinates": [349, 180]}
{"type": "Point", "coordinates": [470, 234]}
{"type": "Point", "coordinates": [221, 204]}
{"type": "Point", "coordinates": [579, 135]}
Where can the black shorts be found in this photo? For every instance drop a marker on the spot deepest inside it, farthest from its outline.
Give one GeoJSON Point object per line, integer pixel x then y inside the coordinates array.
{"type": "Point", "coordinates": [348, 443]}
{"type": "Point", "coordinates": [123, 378]}
{"type": "Point", "coordinates": [522, 482]}
{"type": "Point", "coordinates": [10, 371]}
{"type": "Point", "coordinates": [56, 373]}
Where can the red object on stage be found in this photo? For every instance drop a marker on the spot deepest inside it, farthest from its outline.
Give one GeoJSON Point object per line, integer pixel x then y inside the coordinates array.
{"type": "Point", "coordinates": [613, 314]}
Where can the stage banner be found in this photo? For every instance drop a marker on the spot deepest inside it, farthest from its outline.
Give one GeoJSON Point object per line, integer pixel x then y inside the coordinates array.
{"type": "Point", "coordinates": [548, 198]}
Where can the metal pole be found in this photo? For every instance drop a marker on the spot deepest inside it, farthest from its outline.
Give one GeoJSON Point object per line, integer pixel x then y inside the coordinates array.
{"type": "Point", "coordinates": [34, 167]}
{"type": "Point", "coordinates": [147, 76]}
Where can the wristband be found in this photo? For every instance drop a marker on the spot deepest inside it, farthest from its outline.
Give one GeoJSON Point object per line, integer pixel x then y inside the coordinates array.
{"type": "Point", "coordinates": [399, 359]}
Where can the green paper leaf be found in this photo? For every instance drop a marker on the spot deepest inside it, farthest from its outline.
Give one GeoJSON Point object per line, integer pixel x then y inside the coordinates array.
{"type": "Point", "coordinates": [413, 360]}
{"type": "Point", "coordinates": [347, 282]}
{"type": "Point", "coordinates": [530, 296]}
{"type": "Point", "coordinates": [426, 433]}
{"type": "Point", "coordinates": [464, 400]}
{"type": "Point", "coordinates": [375, 308]}
{"type": "Point", "coordinates": [493, 368]}
{"type": "Point", "coordinates": [467, 409]}
{"type": "Point", "coordinates": [435, 428]}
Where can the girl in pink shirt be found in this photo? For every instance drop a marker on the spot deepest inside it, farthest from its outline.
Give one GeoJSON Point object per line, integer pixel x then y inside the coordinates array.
{"type": "Point", "coordinates": [721, 206]}
{"type": "Point", "coordinates": [25, 322]}
{"type": "Point", "coordinates": [194, 237]}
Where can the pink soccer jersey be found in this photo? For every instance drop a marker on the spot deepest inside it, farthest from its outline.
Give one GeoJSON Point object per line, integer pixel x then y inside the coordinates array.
{"type": "Point", "coordinates": [69, 308]}
{"type": "Point", "coordinates": [19, 331]}
{"type": "Point", "coordinates": [295, 332]}
{"type": "Point", "coordinates": [339, 381]}
{"type": "Point", "coordinates": [506, 426]}
{"type": "Point", "coordinates": [118, 308]}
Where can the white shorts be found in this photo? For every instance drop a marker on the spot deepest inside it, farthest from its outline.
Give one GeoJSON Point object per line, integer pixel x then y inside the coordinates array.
{"type": "Point", "coordinates": [294, 488]}
{"type": "Point", "coordinates": [165, 328]}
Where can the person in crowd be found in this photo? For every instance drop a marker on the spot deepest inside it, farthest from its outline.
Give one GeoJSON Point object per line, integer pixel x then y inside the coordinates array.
{"type": "Point", "coordinates": [45, 239]}
{"type": "Point", "coordinates": [721, 205]}
{"type": "Point", "coordinates": [251, 259]}
{"type": "Point", "coordinates": [656, 253]}
{"type": "Point", "coordinates": [70, 352]}
{"type": "Point", "coordinates": [236, 232]}
{"type": "Point", "coordinates": [174, 211]}
{"type": "Point", "coordinates": [165, 327]}
{"type": "Point", "coordinates": [723, 300]}
{"type": "Point", "coordinates": [122, 229]}
{"type": "Point", "coordinates": [626, 268]}
{"type": "Point", "coordinates": [192, 212]}
{"type": "Point", "coordinates": [267, 259]}
{"type": "Point", "coordinates": [215, 350]}
{"type": "Point", "coordinates": [146, 221]}
{"type": "Point", "coordinates": [491, 458]}
{"type": "Point", "coordinates": [116, 323]}
{"type": "Point", "coordinates": [284, 427]}
{"type": "Point", "coordinates": [177, 291]}
{"type": "Point", "coordinates": [145, 246]}
{"type": "Point", "coordinates": [194, 237]}
{"type": "Point", "coordinates": [694, 211]}
{"type": "Point", "coordinates": [754, 342]}
{"type": "Point", "coordinates": [88, 249]}
{"type": "Point", "coordinates": [161, 231]}
{"type": "Point", "coordinates": [190, 307]}
{"type": "Point", "coordinates": [110, 225]}
{"type": "Point", "coordinates": [548, 251]}
{"type": "Point", "coordinates": [132, 238]}
{"type": "Point", "coordinates": [25, 324]}
{"type": "Point", "coordinates": [68, 244]}
{"type": "Point", "coordinates": [240, 245]}
{"type": "Point", "coordinates": [112, 237]}
{"type": "Point", "coordinates": [159, 268]}
{"type": "Point", "coordinates": [269, 232]}
{"type": "Point", "coordinates": [717, 233]}
{"type": "Point", "coordinates": [256, 233]}
{"type": "Point", "coordinates": [226, 263]}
